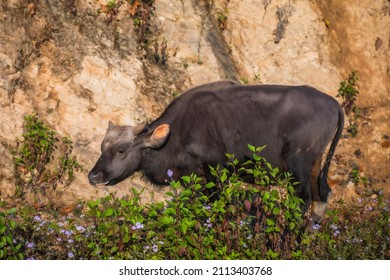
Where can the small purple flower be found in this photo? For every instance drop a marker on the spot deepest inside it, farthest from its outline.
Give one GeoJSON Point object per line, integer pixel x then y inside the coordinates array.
{"type": "Point", "coordinates": [334, 227]}
{"type": "Point", "coordinates": [30, 245]}
{"type": "Point", "coordinates": [208, 224]}
{"type": "Point", "coordinates": [80, 228]}
{"type": "Point", "coordinates": [380, 192]}
{"type": "Point", "coordinates": [336, 232]}
{"type": "Point", "coordinates": [370, 208]}
{"type": "Point", "coordinates": [30, 258]}
{"type": "Point", "coordinates": [70, 255]}
{"type": "Point", "coordinates": [359, 200]}
{"type": "Point", "coordinates": [137, 225]}
{"type": "Point", "coordinates": [37, 218]}
{"type": "Point", "coordinates": [67, 232]}
{"type": "Point", "coordinates": [207, 207]}
{"type": "Point", "coordinates": [155, 248]}
{"type": "Point", "coordinates": [70, 241]}
{"type": "Point", "coordinates": [243, 223]}
{"type": "Point", "coordinates": [146, 247]}
{"type": "Point", "coordinates": [316, 226]}
{"type": "Point", "coordinates": [169, 173]}
{"type": "Point", "coordinates": [355, 240]}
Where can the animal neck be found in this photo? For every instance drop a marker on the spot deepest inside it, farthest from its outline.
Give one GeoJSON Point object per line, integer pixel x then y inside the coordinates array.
{"type": "Point", "coordinates": [155, 166]}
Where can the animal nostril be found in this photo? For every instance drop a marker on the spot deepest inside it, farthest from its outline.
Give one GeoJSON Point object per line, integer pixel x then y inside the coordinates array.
{"type": "Point", "coordinates": [95, 177]}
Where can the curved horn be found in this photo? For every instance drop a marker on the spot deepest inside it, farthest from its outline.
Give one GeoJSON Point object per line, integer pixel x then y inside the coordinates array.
{"type": "Point", "coordinates": [138, 128]}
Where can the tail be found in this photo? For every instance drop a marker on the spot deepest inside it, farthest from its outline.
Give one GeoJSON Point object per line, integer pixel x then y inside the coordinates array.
{"type": "Point", "coordinates": [323, 187]}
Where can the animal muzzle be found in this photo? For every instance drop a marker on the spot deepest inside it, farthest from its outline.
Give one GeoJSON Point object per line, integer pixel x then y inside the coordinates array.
{"type": "Point", "coordinates": [96, 179]}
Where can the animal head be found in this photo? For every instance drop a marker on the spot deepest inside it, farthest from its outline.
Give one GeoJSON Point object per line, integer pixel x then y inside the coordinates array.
{"type": "Point", "coordinates": [121, 151]}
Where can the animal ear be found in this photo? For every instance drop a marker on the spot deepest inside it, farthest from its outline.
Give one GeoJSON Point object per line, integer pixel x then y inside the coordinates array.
{"type": "Point", "coordinates": [159, 136]}
{"type": "Point", "coordinates": [110, 124]}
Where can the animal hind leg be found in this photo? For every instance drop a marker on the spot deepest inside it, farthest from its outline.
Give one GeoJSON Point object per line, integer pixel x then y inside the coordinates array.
{"type": "Point", "coordinates": [318, 205]}
{"type": "Point", "coordinates": [300, 162]}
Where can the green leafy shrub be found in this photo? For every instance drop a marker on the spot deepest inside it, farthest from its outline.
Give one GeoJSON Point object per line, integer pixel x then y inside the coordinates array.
{"type": "Point", "coordinates": [358, 230]}
{"type": "Point", "coordinates": [261, 220]}
{"type": "Point", "coordinates": [9, 248]}
{"type": "Point", "coordinates": [142, 13]}
{"type": "Point", "coordinates": [349, 92]}
{"type": "Point", "coordinates": [222, 19]}
{"type": "Point", "coordinates": [34, 155]}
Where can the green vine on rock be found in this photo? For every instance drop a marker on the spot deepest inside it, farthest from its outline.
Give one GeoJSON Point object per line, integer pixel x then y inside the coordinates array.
{"type": "Point", "coordinates": [349, 91]}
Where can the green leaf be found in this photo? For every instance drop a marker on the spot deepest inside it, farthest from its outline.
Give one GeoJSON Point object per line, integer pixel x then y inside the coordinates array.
{"type": "Point", "coordinates": [114, 250]}
{"type": "Point", "coordinates": [276, 211]}
{"type": "Point", "coordinates": [152, 213]}
{"type": "Point", "coordinates": [183, 228]}
{"type": "Point", "coordinates": [186, 179]}
{"type": "Point", "coordinates": [12, 224]}
{"type": "Point", "coordinates": [270, 222]}
{"type": "Point", "coordinates": [108, 212]}
{"type": "Point", "coordinates": [275, 194]}
{"type": "Point", "coordinates": [151, 234]}
{"type": "Point", "coordinates": [197, 187]}
{"type": "Point", "coordinates": [252, 148]}
{"type": "Point", "coordinates": [291, 225]}
{"type": "Point", "coordinates": [259, 149]}
{"type": "Point", "coordinates": [186, 193]}
{"type": "Point", "coordinates": [210, 185]}
{"type": "Point", "coordinates": [170, 212]}
{"type": "Point", "coordinates": [192, 241]}
{"type": "Point", "coordinates": [223, 177]}
{"type": "Point", "coordinates": [12, 210]}
{"type": "Point", "coordinates": [167, 220]}
{"type": "Point", "coordinates": [9, 240]}
{"type": "Point", "coordinates": [175, 184]}
{"type": "Point", "coordinates": [256, 157]}
{"type": "Point", "coordinates": [169, 194]}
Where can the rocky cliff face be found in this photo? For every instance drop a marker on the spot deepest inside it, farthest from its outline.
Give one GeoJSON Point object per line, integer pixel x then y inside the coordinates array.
{"type": "Point", "coordinates": [79, 64]}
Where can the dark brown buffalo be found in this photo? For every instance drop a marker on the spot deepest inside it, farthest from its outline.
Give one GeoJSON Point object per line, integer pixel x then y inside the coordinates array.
{"type": "Point", "coordinates": [197, 129]}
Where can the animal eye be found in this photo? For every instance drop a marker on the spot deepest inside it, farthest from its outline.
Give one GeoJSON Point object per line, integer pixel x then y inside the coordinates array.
{"type": "Point", "coordinates": [121, 151]}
